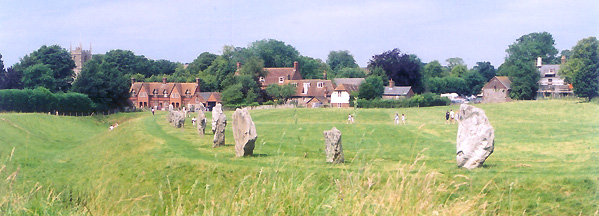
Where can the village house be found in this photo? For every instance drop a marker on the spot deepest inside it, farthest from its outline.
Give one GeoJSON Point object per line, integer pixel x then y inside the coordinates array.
{"type": "Point", "coordinates": [497, 90]}
{"type": "Point", "coordinates": [281, 75]}
{"type": "Point", "coordinates": [161, 95]}
{"type": "Point", "coordinates": [312, 92]}
{"type": "Point", "coordinates": [551, 84]}
{"type": "Point", "coordinates": [345, 86]}
{"type": "Point", "coordinates": [393, 92]}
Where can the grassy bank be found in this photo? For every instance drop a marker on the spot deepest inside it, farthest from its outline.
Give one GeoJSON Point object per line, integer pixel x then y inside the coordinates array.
{"type": "Point", "coordinates": [545, 162]}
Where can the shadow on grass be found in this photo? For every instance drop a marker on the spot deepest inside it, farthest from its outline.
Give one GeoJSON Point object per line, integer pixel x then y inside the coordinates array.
{"type": "Point", "coordinates": [258, 155]}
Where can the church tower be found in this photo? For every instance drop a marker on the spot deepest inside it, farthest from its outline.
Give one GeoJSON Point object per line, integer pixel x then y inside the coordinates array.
{"type": "Point", "coordinates": [80, 56]}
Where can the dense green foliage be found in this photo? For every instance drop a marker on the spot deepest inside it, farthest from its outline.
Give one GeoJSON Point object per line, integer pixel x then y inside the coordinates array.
{"type": "Point", "coordinates": [372, 88]}
{"type": "Point", "coordinates": [541, 166]}
{"type": "Point", "coordinates": [422, 100]}
{"type": "Point", "coordinates": [582, 70]}
{"type": "Point", "coordinates": [42, 100]}
{"type": "Point", "coordinates": [280, 92]}
{"type": "Point", "coordinates": [54, 63]}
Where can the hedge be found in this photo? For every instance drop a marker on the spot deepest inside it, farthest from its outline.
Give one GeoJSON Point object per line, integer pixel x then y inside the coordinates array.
{"type": "Point", "coordinates": [423, 100]}
{"type": "Point", "coordinates": [42, 100]}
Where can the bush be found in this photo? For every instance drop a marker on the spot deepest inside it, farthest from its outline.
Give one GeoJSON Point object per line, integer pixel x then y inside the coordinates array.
{"type": "Point", "coordinates": [422, 100]}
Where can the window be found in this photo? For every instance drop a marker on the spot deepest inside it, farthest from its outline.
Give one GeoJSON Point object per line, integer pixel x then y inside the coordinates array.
{"type": "Point", "coordinates": [281, 79]}
{"type": "Point", "coordinates": [155, 92]}
{"type": "Point", "coordinates": [165, 93]}
{"type": "Point", "coordinates": [175, 95]}
{"type": "Point", "coordinates": [133, 93]}
{"type": "Point", "coordinates": [187, 92]}
{"type": "Point", "coordinates": [319, 84]}
{"type": "Point", "coordinates": [261, 79]}
{"type": "Point", "coordinates": [550, 80]}
{"type": "Point", "coordinates": [305, 89]}
{"type": "Point", "coordinates": [294, 84]}
{"type": "Point", "coordinates": [143, 94]}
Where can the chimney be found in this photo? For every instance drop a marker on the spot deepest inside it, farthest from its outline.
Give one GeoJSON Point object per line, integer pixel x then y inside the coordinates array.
{"type": "Point", "coordinates": [238, 65]}
{"type": "Point", "coordinates": [295, 66]}
{"type": "Point", "coordinates": [324, 75]}
{"type": "Point", "coordinates": [163, 80]}
{"type": "Point", "coordinates": [391, 83]}
{"type": "Point", "coordinates": [198, 82]}
{"type": "Point", "coordinates": [563, 59]}
{"type": "Point", "coordinates": [132, 80]}
{"type": "Point", "coordinates": [539, 62]}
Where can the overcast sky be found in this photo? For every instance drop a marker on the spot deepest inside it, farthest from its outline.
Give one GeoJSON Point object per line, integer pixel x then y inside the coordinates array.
{"type": "Point", "coordinates": [180, 30]}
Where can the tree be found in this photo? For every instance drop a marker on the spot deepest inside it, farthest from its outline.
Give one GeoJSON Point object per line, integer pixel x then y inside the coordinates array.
{"type": "Point", "coordinates": [201, 63]}
{"type": "Point", "coordinates": [2, 74]}
{"type": "Point", "coordinates": [485, 69]}
{"type": "Point", "coordinates": [583, 68]}
{"type": "Point", "coordinates": [474, 82]}
{"type": "Point", "coordinates": [459, 70]}
{"type": "Point", "coordinates": [57, 59]}
{"type": "Point", "coordinates": [524, 77]}
{"type": "Point", "coordinates": [433, 69]}
{"type": "Point", "coordinates": [11, 79]}
{"type": "Point", "coordinates": [274, 53]}
{"type": "Point", "coordinates": [280, 92]}
{"type": "Point", "coordinates": [104, 83]}
{"type": "Point", "coordinates": [338, 60]}
{"type": "Point", "coordinates": [452, 62]}
{"type": "Point", "coordinates": [311, 68]}
{"type": "Point", "coordinates": [371, 88]}
{"type": "Point", "coordinates": [350, 73]}
{"type": "Point", "coordinates": [520, 61]}
{"type": "Point", "coordinates": [38, 75]}
{"type": "Point", "coordinates": [403, 69]}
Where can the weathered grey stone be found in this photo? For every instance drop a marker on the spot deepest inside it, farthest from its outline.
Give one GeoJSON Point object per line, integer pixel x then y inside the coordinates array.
{"type": "Point", "coordinates": [333, 147]}
{"type": "Point", "coordinates": [216, 112]}
{"type": "Point", "coordinates": [177, 119]}
{"type": "Point", "coordinates": [476, 137]}
{"type": "Point", "coordinates": [201, 120]}
{"type": "Point", "coordinates": [244, 132]}
{"type": "Point", "coordinates": [219, 131]}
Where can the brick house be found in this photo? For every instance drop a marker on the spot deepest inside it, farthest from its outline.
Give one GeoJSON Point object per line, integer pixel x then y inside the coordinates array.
{"type": "Point", "coordinates": [497, 90]}
{"type": "Point", "coordinates": [160, 95]}
{"type": "Point", "coordinates": [280, 76]}
{"type": "Point", "coordinates": [312, 92]}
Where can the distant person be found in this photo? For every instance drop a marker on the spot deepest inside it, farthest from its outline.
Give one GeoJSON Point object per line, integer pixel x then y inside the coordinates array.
{"type": "Point", "coordinates": [152, 110]}
{"type": "Point", "coordinates": [111, 127]}
{"type": "Point", "coordinates": [396, 119]}
{"type": "Point", "coordinates": [403, 119]}
{"type": "Point", "coordinates": [352, 118]}
{"type": "Point", "coordinates": [193, 120]}
{"type": "Point", "coordinates": [447, 117]}
{"type": "Point", "coordinates": [451, 116]}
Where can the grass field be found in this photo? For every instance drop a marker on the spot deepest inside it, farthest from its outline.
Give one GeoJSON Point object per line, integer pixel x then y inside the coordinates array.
{"type": "Point", "coordinates": [546, 162]}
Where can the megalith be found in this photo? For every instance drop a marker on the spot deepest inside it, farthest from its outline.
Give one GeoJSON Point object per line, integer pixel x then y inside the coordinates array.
{"type": "Point", "coordinates": [476, 137]}
{"type": "Point", "coordinates": [244, 132]}
{"type": "Point", "coordinates": [201, 120]}
{"type": "Point", "coordinates": [333, 148]}
{"type": "Point", "coordinates": [177, 119]}
{"type": "Point", "coordinates": [216, 112]}
{"type": "Point", "coordinates": [219, 130]}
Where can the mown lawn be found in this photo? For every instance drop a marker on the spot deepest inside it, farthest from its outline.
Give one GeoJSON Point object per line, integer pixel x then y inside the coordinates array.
{"type": "Point", "coordinates": [546, 162]}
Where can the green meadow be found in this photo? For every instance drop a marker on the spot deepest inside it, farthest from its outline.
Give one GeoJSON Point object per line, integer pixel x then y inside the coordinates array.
{"type": "Point", "coordinates": [545, 162]}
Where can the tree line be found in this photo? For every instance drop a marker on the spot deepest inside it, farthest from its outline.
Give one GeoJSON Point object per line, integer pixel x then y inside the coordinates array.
{"type": "Point", "coordinates": [105, 79]}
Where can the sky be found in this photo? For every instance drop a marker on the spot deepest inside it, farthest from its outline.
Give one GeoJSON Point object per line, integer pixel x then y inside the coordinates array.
{"type": "Point", "coordinates": [180, 30]}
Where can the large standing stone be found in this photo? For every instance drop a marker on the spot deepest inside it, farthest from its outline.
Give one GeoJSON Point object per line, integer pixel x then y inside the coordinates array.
{"type": "Point", "coordinates": [219, 131]}
{"type": "Point", "coordinates": [201, 120]}
{"type": "Point", "coordinates": [216, 112]}
{"type": "Point", "coordinates": [244, 132]}
{"type": "Point", "coordinates": [333, 148]}
{"type": "Point", "coordinates": [476, 137]}
{"type": "Point", "coordinates": [177, 119]}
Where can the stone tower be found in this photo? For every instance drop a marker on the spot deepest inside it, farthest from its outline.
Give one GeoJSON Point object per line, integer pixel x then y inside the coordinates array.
{"type": "Point", "coordinates": [80, 56]}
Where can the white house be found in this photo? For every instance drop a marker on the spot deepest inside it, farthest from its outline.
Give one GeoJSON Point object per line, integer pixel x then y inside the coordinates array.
{"type": "Point", "coordinates": [341, 95]}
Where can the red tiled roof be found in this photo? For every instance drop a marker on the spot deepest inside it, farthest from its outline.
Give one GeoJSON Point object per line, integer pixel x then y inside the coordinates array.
{"type": "Point", "coordinates": [312, 87]}
{"type": "Point", "coordinates": [273, 74]}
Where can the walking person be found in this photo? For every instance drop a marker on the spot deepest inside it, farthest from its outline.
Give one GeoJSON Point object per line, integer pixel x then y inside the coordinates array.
{"type": "Point", "coordinates": [447, 117]}
{"type": "Point", "coordinates": [152, 110]}
{"type": "Point", "coordinates": [403, 119]}
{"type": "Point", "coordinates": [451, 115]}
{"type": "Point", "coordinates": [396, 119]}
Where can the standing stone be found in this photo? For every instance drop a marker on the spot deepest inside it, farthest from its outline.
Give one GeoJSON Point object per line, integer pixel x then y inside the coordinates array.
{"type": "Point", "coordinates": [201, 121]}
{"type": "Point", "coordinates": [178, 119]}
{"type": "Point", "coordinates": [333, 148]}
{"type": "Point", "coordinates": [244, 132]}
{"type": "Point", "coordinates": [476, 137]}
{"type": "Point", "coordinates": [219, 131]}
{"type": "Point", "coordinates": [216, 112]}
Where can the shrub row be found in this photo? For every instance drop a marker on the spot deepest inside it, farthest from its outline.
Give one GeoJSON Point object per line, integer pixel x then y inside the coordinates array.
{"type": "Point", "coordinates": [42, 100]}
{"type": "Point", "coordinates": [422, 100]}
